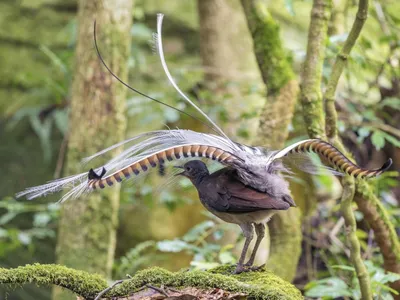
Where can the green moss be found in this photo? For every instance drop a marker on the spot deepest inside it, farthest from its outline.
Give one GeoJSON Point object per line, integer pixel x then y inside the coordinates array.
{"type": "Point", "coordinates": [259, 285]}
{"type": "Point", "coordinates": [79, 282]}
{"type": "Point", "coordinates": [273, 60]}
{"type": "Point", "coordinates": [364, 189]}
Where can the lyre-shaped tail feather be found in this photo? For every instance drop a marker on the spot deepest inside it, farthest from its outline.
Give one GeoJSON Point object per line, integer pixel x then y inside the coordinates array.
{"type": "Point", "coordinates": [159, 158]}
{"type": "Point", "coordinates": [146, 152]}
{"type": "Point", "coordinates": [337, 158]}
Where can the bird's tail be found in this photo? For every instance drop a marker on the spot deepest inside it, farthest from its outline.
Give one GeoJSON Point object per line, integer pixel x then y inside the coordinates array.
{"type": "Point", "coordinates": [149, 150]}
{"type": "Point", "coordinates": [336, 158]}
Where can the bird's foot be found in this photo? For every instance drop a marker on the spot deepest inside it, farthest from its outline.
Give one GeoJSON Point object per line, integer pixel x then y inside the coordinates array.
{"type": "Point", "coordinates": [245, 268]}
{"type": "Point", "coordinates": [240, 269]}
{"type": "Point", "coordinates": [249, 263]}
{"type": "Point", "coordinates": [256, 268]}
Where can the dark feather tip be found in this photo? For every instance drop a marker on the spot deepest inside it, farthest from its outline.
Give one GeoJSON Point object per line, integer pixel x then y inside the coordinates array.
{"type": "Point", "coordinates": [92, 174]}
{"type": "Point", "coordinates": [386, 165]}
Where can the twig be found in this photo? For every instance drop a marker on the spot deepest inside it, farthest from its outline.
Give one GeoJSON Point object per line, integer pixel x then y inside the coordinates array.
{"type": "Point", "coordinates": [99, 295]}
{"type": "Point", "coordinates": [337, 70]}
{"type": "Point", "coordinates": [61, 155]}
{"type": "Point", "coordinates": [332, 235]}
{"type": "Point", "coordinates": [160, 290]}
{"type": "Point", "coordinates": [368, 251]}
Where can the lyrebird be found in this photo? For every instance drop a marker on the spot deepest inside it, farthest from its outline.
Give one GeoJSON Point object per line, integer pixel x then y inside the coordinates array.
{"type": "Point", "coordinates": [247, 192]}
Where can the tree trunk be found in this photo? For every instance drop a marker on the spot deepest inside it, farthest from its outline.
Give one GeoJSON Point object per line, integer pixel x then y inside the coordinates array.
{"type": "Point", "coordinates": [87, 227]}
{"type": "Point", "coordinates": [229, 63]}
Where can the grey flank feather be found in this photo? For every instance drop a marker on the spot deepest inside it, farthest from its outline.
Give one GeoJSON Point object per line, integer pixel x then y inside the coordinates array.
{"type": "Point", "coordinates": [160, 50]}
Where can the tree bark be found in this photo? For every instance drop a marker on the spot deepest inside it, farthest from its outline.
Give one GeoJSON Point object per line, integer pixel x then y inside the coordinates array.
{"type": "Point", "coordinates": [285, 227]}
{"type": "Point", "coordinates": [87, 227]}
{"type": "Point", "coordinates": [228, 62]}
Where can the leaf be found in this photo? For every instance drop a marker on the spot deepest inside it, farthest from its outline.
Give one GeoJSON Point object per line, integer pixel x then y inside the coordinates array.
{"type": "Point", "coordinates": [343, 267]}
{"type": "Point", "coordinates": [54, 59]}
{"type": "Point", "coordinates": [3, 233]}
{"type": "Point", "coordinates": [4, 219]}
{"type": "Point", "coordinates": [61, 120]}
{"type": "Point", "coordinates": [173, 246]}
{"type": "Point", "coordinates": [391, 139]}
{"type": "Point", "coordinates": [289, 7]}
{"type": "Point", "coordinates": [332, 287]}
{"type": "Point", "coordinates": [361, 234]}
{"type": "Point", "coordinates": [378, 139]}
{"type": "Point", "coordinates": [24, 238]}
{"type": "Point", "coordinates": [41, 219]}
{"type": "Point", "coordinates": [204, 265]}
{"type": "Point", "coordinates": [43, 131]}
{"type": "Point", "coordinates": [226, 257]}
{"type": "Point", "coordinates": [194, 233]}
{"type": "Point", "coordinates": [391, 102]}
{"type": "Point", "coordinates": [171, 115]}
{"type": "Point", "coordinates": [338, 38]}
{"type": "Point", "coordinates": [363, 132]}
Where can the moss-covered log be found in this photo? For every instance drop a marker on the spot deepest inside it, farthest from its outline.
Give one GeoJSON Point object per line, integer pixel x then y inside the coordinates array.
{"type": "Point", "coordinates": [87, 226]}
{"type": "Point", "coordinates": [255, 285]}
{"type": "Point", "coordinates": [275, 66]}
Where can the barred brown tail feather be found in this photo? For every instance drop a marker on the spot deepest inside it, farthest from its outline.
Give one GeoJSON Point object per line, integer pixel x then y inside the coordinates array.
{"type": "Point", "coordinates": [338, 159]}
{"type": "Point", "coordinates": [159, 158]}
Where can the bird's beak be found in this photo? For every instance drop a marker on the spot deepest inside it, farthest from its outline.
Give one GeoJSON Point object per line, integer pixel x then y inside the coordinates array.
{"type": "Point", "coordinates": [181, 173]}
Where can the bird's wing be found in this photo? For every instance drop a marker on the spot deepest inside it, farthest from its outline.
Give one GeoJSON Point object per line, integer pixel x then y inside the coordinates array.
{"type": "Point", "coordinates": [228, 194]}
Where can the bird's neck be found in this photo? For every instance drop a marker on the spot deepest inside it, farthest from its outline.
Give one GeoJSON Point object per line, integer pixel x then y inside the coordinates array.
{"type": "Point", "coordinates": [199, 178]}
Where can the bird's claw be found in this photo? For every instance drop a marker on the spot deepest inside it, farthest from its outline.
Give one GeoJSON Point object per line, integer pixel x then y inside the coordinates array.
{"type": "Point", "coordinates": [245, 268]}
{"type": "Point", "coordinates": [248, 264]}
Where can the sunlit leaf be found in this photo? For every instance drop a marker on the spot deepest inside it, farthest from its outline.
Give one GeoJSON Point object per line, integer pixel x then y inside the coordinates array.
{"type": "Point", "coordinates": [173, 246]}
{"type": "Point", "coordinates": [343, 267]}
{"type": "Point", "coordinates": [194, 233]}
{"type": "Point", "coordinates": [289, 7]}
{"type": "Point", "coordinates": [41, 219]}
{"type": "Point", "coordinates": [4, 219]}
{"type": "Point", "coordinates": [204, 265]}
{"type": "Point", "coordinates": [378, 139]}
{"type": "Point", "coordinates": [330, 287]}
{"type": "Point", "coordinates": [24, 238]}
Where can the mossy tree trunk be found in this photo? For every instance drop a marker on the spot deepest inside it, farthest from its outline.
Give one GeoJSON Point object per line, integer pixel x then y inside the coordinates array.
{"type": "Point", "coordinates": [230, 67]}
{"type": "Point", "coordinates": [274, 63]}
{"type": "Point", "coordinates": [87, 228]}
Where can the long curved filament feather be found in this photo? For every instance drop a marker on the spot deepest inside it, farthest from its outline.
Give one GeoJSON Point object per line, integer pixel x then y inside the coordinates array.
{"type": "Point", "coordinates": [171, 80]}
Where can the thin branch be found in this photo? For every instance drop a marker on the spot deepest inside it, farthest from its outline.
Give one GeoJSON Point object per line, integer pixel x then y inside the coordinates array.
{"type": "Point", "coordinates": [331, 131]}
{"type": "Point", "coordinates": [354, 243]}
{"type": "Point", "coordinates": [108, 289]}
{"type": "Point", "coordinates": [337, 70]}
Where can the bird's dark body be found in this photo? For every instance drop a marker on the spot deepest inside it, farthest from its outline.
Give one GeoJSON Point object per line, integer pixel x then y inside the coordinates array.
{"type": "Point", "coordinates": [227, 197]}
{"type": "Point", "coordinates": [225, 193]}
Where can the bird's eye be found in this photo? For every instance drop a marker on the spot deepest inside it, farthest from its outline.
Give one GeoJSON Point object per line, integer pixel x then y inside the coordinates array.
{"type": "Point", "coordinates": [188, 168]}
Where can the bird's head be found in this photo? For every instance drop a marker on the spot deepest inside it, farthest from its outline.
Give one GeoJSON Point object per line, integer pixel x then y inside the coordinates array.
{"type": "Point", "coordinates": [193, 169]}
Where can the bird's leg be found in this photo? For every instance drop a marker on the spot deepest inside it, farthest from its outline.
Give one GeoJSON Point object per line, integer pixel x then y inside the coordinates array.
{"type": "Point", "coordinates": [260, 231]}
{"type": "Point", "coordinates": [247, 229]}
